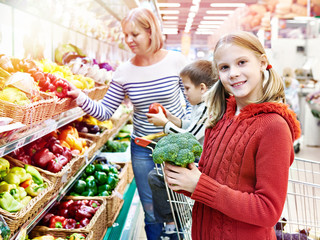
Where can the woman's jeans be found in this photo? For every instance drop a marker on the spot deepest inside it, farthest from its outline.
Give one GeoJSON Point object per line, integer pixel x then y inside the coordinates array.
{"type": "Point", "coordinates": [142, 164]}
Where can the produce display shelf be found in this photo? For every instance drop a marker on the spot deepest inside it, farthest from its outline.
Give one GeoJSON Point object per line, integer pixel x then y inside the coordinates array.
{"type": "Point", "coordinates": [30, 134]}
{"type": "Point", "coordinates": [126, 223]}
{"type": "Point", "coordinates": [28, 226]}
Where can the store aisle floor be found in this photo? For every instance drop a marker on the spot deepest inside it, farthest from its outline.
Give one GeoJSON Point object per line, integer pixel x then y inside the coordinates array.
{"type": "Point", "coordinates": [141, 231]}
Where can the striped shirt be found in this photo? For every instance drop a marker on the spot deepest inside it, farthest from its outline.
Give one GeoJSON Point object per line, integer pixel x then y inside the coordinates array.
{"type": "Point", "coordinates": [196, 124]}
{"type": "Point", "coordinates": [144, 85]}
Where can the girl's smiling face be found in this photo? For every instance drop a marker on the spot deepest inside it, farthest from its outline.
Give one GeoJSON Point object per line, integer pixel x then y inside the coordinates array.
{"type": "Point", "coordinates": [240, 71]}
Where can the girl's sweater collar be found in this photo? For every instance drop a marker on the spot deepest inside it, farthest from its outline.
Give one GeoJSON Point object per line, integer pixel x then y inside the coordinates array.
{"type": "Point", "coordinates": [255, 109]}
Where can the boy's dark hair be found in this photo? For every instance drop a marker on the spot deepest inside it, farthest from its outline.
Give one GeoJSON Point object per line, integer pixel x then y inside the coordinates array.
{"type": "Point", "coordinates": [200, 71]}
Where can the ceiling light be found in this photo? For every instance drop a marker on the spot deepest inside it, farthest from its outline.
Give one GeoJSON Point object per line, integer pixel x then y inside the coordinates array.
{"type": "Point", "coordinates": [169, 11]}
{"type": "Point", "coordinates": [170, 31]}
{"type": "Point", "coordinates": [170, 22]}
{"type": "Point", "coordinates": [170, 17]}
{"type": "Point", "coordinates": [194, 8]}
{"type": "Point", "coordinates": [219, 12]}
{"type": "Point", "coordinates": [232, 5]}
{"type": "Point", "coordinates": [168, 4]}
{"type": "Point", "coordinates": [189, 20]}
{"type": "Point", "coordinates": [195, 2]}
{"type": "Point", "coordinates": [215, 18]}
{"type": "Point", "coordinates": [208, 26]}
{"type": "Point", "coordinates": [204, 33]}
{"type": "Point", "coordinates": [191, 15]}
{"type": "Point", "coordinates": [211, 22]}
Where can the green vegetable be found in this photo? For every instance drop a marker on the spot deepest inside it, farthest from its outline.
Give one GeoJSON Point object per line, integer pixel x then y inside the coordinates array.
{"type": "Point", "coordinates": [4, 230]}
{"type": "Point", "coordinates": [114, 146]}
{"type": "Point", "coordinates": [8, 203]}
{"type": "Point", "coordinates": [36, 176]}
{"type": "Point", "coordinates": [80, 186]}
{"type": "Point", "coordinates": [102, 168]}
{"type": "Point", "coordinates": [177, 148]}
{"type": "Point", "coordinates": [104, 194]}
{"type": "Point", "coordinates": [4, 167]}
{"type": "Point", "coordinates": [101, 177]}
{"type": "Point", "coordinates": [74, 194]}
{"type": "Point", "coordinates": [105, 187]}
{"type": "Point", "coordinates": [90, 169]}
{"type": "Point", "coordinates": [112, 180]}
{"type": "Point", "coordinates": [91, 186]}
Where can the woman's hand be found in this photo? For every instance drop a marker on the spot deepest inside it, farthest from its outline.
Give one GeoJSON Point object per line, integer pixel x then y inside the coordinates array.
{"type": "Point", "coordinates": [158, 119]}
{"type": "Point", "coordinates": [73, 91]}
{"type": "Point", "coordinates": [179, 178]}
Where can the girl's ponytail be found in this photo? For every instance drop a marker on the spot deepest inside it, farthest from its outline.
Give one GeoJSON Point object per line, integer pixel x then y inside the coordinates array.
{"type": "Point", "coordinates": [216, 102]}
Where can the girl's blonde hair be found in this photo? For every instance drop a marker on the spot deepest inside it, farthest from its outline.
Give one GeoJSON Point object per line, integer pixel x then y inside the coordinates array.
{"type": "Point", "coordinates": [145, 19]}
{"type": "Point", "coordinates": [272, 89]}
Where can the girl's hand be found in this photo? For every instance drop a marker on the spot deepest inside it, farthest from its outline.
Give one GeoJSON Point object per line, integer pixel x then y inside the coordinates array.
{"type": "Point", "coordinates": [179, 178]}
{"type": "Point", "coordinates": [157, 119]}
{"type": "Point", "coordinates": [73, 91]}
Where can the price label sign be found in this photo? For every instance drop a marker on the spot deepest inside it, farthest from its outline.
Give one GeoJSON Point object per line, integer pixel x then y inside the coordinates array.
{"type": "Point", "coordinates": [20, 143]}
{"type": "Point", "coordinates": [2, 151]}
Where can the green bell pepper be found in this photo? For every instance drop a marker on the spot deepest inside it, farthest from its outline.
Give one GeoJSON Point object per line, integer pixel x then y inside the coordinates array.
{"type": "Point", "coordinates": [8, 203]}
{"type": "Point", "coordinates": [18, 193]}
{"type": "Point", "coordinates": [104, 194]}
{"type": "Point", "coordinates": [12, 178]}
{"type": "Point", "coordinates": [91, 185]}
{"type": "Point", "coordinates": [74, 194]}
{"type": "Point", "coordinates": [102, 168]}
{"type": "Point", "coordinates": [34, 189]}
{"type": "Point", "coordinates": [6, 187]}
{"type": "Point", "coordinates": [90, 169]}
{"type": "Point", "coordinates": [113, 169]}
{"type": "Point", "coordinates": [79, 186]}
{"type": "Point", "coordinates": [88, 193]}
{"type": "Point", "coordinates": [4, 167]}
{"type": "Point", "coordinates": [112, 180]}
{"type": "Point", "coordinates": [21, 172]}
{"type": "Point", "coordinates": [101, 177]}
{"type": "Point", "coordinates": [104, 187]}
{"type": "Point", "coordinates": [36, 176]}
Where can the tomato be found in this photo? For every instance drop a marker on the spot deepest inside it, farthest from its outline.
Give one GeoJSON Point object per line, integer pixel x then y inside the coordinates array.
{"type": "Point", "coordinates": [154, 108]}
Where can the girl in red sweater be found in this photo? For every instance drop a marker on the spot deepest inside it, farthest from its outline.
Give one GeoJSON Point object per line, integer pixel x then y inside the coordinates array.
{"type": "Point", "coordinates": [241, 184]}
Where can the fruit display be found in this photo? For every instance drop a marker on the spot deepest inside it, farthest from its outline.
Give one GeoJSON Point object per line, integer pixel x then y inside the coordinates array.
{"type": "Point", "coordinates": [89, 124]}
{"type": "Point", "coordinates": [71, 214]}
{"type": "Point", "coordinates": [18, 186]}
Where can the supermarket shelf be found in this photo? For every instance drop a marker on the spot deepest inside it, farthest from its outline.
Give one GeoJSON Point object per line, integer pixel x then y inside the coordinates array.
{"type": "Point", "coordinates": [30, 134]}
{"type": "Point", "coordinates": [125, 226]}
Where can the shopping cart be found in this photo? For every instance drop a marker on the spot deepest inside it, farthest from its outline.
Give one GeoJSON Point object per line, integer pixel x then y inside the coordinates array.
{"type": "Point", "coordinates": [301, 214]}
{"type": "Point", "coordinates": [181, 205]}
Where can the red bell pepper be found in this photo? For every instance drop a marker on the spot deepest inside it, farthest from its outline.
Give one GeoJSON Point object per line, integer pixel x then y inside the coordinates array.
{"type": "Point", "coordinates": [84, 212]}
{"type": "Point", "coordinates": [94, 204]}
{"type": "Point", "coordinates": [84, 222]}
{"type": "Point", "coordinates": [43, 157]}
{"type": "Point", "coordinates": [35, 146]}
{"type": "Point", "coordinates": [26, 159]}
{"type": "Point", "coordinates": [60, 88]}
{"type": "Point", "coordinates": [46, 219]}
{"type": "Point", "coordinates": [55, 147]}
{"type": "Point", "coordinates": [71, 223]}
{"type": "Point", "coordinates": [57, 222]}
{"type": "Point", "coordinates": [63, 212]}
{"type": "Point", "coordinates": [54, 165]}
{"type": "Point", "coordinates": [62, 159]}
{"type": "Point", "coordinates": [66, 204]}
{"type": "Point", "coordinates": [67, 153]}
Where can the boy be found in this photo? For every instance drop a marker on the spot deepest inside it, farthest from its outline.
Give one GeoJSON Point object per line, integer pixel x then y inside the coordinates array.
{"type": "Point", "coordinates": [197, 78]}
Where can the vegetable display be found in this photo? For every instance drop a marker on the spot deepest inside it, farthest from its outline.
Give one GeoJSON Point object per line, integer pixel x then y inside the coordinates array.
{"type": "Point", "coordinates": [178, 149]}
{"type": "Point", "coordinates": [71, 214]}
{"type": "Point", "coordinates": [114, 146]}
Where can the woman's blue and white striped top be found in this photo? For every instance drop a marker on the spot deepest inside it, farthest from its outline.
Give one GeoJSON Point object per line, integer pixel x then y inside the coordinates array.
{"type": "Point", "coordinates": [144, 85]}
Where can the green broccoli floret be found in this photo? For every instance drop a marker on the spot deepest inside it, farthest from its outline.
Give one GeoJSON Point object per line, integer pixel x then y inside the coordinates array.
{"type": "Point", "coordinates": [177, 148]}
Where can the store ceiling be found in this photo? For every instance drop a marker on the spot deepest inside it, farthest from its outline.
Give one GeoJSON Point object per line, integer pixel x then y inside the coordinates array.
{"type": "Point", "coordinates": [201, 14]}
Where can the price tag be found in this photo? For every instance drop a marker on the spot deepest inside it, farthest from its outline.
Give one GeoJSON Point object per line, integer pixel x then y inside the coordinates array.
{"type": "Point", "coordinates": [2, 151]}
{"type": "Point", "coordinates": [64, 177]}
{"type": "Point", "coordinates": [20, 143]}
{"type": "Point", "coordinates": [52, 127]}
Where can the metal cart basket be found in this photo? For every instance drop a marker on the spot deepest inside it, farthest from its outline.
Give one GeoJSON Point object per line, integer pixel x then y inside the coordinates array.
{"type": "Point", "coordinates": [301, 211]}
{"type": "Point", "coordinates": [302, 207]}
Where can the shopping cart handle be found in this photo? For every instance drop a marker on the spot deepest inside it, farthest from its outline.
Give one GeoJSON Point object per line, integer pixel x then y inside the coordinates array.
{"type": "Point", "coordinates": [144, 142]}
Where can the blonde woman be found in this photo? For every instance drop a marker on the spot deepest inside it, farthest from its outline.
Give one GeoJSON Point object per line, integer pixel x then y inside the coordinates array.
{"type": "Point", "coordinates": [151, 75]}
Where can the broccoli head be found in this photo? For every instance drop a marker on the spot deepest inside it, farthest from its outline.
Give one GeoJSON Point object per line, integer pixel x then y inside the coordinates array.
{"type": "Point", "coordinates": [177, 148]}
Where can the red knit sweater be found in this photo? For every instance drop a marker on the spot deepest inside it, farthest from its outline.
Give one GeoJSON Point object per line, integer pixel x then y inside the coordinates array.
{"type": "Point", "coordinates": [244, 164]}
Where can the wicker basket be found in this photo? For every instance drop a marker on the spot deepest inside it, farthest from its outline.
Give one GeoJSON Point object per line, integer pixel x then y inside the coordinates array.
{"type": "Point", "coordinates": [63, 233]}
{"type": "Point", "coordinates": [64, 104]}
{"type": "Point", "coordinates": [89, 153]}
{"type": "Point", "coordinates": [130, 173]}
{"type": "Point", "coordinates": [113, 202]}
{"type": "Point", "coordinates": [98, 92]}
{"type": "Point", "coordinates": [98, 139]}
{"type": "Point", "coordinates": [17, 219]}
{"type": "Point", "coordinates": [97, 223]}
{"type": "Point", "coordinates": [58, 179]}
{"type": "Point", "coordinates": [33, 113]}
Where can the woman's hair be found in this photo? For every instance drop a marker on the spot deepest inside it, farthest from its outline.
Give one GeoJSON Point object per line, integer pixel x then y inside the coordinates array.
{"type": "Point", "coordinates": [200, 71]}
{"type": "Point", "coordinates": [272, 88]}
{"type": "Point", "coordinates": [145, 19]}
